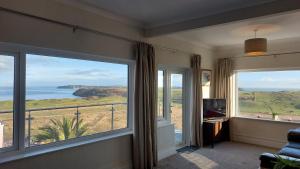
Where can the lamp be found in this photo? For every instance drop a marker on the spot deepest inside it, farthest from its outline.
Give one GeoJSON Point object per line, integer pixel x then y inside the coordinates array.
{"type": "Point", "coordinates": [255, 46]}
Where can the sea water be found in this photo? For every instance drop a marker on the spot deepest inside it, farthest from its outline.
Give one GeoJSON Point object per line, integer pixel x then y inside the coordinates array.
{"type": "Point", "coordinates": [38, 93]}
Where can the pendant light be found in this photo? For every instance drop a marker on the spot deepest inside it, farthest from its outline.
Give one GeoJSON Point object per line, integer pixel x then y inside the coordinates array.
{"type": "Point", "coordinates": [255, 46]}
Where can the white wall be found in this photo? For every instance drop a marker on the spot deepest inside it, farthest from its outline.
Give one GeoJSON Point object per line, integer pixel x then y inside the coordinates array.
{"type": "Point", "coordinates": [260, 132]}
{"type": "Point", "coordinates": [176, 53]}
{"type": "Point", "coordinates": [109, 154]}
{"type": "Point", "coordinates": [28, 31]}
{"type": "Point", "coordinates": [255, 131]}
{"type": "Point", "coordinates": [113, 153]}
{"type": "Point", "coordinates": [182, 56]}
{"type": "Point", "coordinates": [165, 140]}
{"type": "Point", "coordinates": [18, 29]}
{"type": "Point", "coordinates": [289, 61]}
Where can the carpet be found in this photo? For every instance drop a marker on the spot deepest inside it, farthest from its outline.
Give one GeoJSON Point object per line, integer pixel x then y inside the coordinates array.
{"type": "Point", "coordinates": [227, 155]}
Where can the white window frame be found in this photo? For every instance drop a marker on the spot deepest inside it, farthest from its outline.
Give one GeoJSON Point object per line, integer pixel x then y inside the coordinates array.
{"type": "Point", "coordinates": [18, 150]}
{"type": "Point", "coordinates": [187, 97]}
{"type": "Point", "coordinates": [237, 108]}
{"type": "Point", "coordinates": [163, 117]}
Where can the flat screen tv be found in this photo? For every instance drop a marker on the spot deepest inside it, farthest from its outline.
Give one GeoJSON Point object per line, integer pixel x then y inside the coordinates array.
{"type": "Point", "coordinates": [214, 108]}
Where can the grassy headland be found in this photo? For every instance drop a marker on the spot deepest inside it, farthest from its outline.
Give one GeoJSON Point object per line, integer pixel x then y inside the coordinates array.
{"type": "Point", "coordinates": [282, 102]}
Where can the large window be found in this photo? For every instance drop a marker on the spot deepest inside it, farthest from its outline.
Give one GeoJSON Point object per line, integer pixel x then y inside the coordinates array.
{"type": "Point", "coordinates": [68, 98]}
{"type": "Point", "coordinates": [171, 101]}
{"type": "Point", "coordinates": [6, 101]}
{"type": "Point", "coordinates": [160, 95]}
{"type": "Point", "coordinates": [269, 95]}
{"type": "Point", "coordinates": [45, 99]}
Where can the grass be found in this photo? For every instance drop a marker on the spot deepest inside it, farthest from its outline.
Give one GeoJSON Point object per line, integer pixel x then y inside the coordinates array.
{"type": "Point", "coordinates": [98, 118]}
{"type": "Point", "coordinates": [284, 102]}
{"type": "Point", "coordinates": [176, 109]}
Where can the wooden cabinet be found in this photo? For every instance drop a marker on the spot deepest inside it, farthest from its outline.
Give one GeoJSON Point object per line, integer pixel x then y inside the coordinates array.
{"type": "Point", "coordinates": [215, 130]}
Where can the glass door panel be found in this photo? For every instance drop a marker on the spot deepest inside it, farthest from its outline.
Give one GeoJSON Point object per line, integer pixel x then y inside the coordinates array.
{"type": "Point", "coordinates": [176, 106]}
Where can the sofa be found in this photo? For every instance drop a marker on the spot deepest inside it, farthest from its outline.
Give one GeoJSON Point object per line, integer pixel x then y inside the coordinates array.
{"type": "Point", "coordinates": [291, 151]}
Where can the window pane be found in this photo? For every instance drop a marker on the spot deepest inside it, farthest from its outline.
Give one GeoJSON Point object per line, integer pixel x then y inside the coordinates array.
{"type": "Point", "coordinates": [160, 100]}
{"type": "Point", "coordinates": [6, 100]}
{"type": "Point", "coordinates": [270, 95]}
{"type": "Point", "coordinates": [68, 98]}
{"type": "Point", "coordinates": [176, 106]}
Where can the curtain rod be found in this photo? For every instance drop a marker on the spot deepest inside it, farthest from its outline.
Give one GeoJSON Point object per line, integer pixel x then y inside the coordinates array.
{"type": "Point", "coordinates": [74, 27]}
{"type": "Point", "coordinates": [77, 27]}
{"type": "Point", "coordinates": [271, 54]}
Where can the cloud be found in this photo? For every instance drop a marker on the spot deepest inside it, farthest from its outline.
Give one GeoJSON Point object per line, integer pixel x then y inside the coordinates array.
{"type": "Point", "coordinates": [91, 72]}
{"type": "Point", "coordinates": [6, 63]}
{"type": "Point", "coordinates": [267, 79]}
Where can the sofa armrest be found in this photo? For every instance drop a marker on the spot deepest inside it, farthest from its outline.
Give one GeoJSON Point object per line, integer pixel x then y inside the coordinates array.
{"type": "Point", "coordinates": [294, 135]}
{"type": "Point", "coordinates": [267, 160]}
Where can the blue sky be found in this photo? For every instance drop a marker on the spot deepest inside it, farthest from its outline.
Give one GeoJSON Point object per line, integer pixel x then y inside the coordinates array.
{"type": "Point", "coordinates": [176, 79]}
{"type": "Point", "coordinates": [270, 79]}
{"type": "Point", "coordinates": [54, 71]}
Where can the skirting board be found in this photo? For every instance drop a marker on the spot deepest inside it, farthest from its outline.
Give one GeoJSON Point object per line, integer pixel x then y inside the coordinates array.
{"type": "Point", "coordinates": [166, 153]}
{"type": "Point", "coordinates": [272, 143]}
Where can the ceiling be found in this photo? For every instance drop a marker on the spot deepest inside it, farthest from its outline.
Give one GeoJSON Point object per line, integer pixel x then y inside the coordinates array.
{"type": "Point", "coordinates": [161, 12]}
{"type": "Point", "coordinates": [274, 27]}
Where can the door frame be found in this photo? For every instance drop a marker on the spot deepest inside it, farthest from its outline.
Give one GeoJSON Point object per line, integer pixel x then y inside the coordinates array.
{"type": "Point", "coordinates": [186, 102]}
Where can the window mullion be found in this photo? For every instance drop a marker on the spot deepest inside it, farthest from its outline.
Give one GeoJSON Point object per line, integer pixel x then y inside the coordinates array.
{"type": "Point", "coordinates": [167, 94]}
{"type": "Point", "coordinates": [20, 100]}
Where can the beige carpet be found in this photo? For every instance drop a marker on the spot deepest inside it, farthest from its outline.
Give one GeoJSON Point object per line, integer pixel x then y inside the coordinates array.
{"type": "Point", "coordinates": [227, 155]}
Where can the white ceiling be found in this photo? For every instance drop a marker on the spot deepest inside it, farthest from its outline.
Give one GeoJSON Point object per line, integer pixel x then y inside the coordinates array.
{"type": "Point", "coordinates": [161, 12]}
{"type": "Point", "coordinates": [274, 27]}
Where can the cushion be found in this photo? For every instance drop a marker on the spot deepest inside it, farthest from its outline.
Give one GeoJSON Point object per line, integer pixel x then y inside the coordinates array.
{"type": "Point", "coordinates": [293, 145]}
{"type": "Point", "coordinates": [294, 135]}
{"type": "Point", "coordinates": [288, 151]}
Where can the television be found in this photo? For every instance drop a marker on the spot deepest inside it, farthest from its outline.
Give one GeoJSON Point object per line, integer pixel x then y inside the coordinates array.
{"type": "Point", "coordinates": [214, 108]}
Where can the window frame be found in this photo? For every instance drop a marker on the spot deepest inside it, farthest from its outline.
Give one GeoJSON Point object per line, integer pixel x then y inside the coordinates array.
{"type": "Point", "coordinates": [236, 95]}
{"type": "Point", "coordinates": [187, 98]}
{"type": "Point", "coordinates": [16, 92]}
{"type": "Point", "coordinates": [164, 116]}
{"type": "Point", "coordinates": [19, 150]}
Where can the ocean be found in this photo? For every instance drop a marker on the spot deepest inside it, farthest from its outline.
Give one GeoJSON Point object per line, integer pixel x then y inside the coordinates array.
{"type": "Point", "coordinates": [38, 93]}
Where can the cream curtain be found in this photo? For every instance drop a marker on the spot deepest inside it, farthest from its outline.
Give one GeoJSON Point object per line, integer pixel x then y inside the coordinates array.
{"type": "Point", "coordinates": [225, 84]}
{"type": "Point", "coordinates": [144, 139]}
{"type": "Point", "coordinates": [197, 117]}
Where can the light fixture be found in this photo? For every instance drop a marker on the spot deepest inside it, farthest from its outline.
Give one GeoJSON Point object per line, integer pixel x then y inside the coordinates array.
{"type": "Point", "coordinates": [255, 46]}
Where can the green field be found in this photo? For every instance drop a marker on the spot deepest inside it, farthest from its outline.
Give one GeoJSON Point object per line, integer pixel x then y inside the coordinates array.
{"type": "Point", "coordinates": [176, 106]}
{"type": "Point", "coordinates": [97, 118]}
{"type": "Point", "coordinates": [284, 103]}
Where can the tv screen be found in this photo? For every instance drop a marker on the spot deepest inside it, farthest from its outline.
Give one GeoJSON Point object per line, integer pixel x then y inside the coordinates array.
{"type": "Point", "coordinates": [214, 108]}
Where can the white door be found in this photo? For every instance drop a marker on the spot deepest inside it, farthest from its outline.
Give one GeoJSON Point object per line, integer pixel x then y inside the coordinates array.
{"type": "Point", "coordinates": [176, 103]}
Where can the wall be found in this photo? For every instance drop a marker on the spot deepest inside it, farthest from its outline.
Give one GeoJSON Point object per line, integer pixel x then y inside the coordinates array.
{"type": "Point", "coordinates": [165, 140]}
{"type": "Point", "coordinates": [115, 153]}
{"type": "Point", "coordinates": [254, 131]}
{"type": "Point", "coordinates": [167, 53]}
{"type": "Point", "coordinates": [176, 53]}
{"type": "Point", "coordinates": [260, 132]}
{"type": "Point", "coordinates": [28, 31]}
{"type": "Point", "coordinates": [109, 154]}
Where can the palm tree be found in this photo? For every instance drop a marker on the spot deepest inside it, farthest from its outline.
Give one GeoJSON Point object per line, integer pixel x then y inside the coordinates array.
{"type": "Point", "coordinates": [59, 130]}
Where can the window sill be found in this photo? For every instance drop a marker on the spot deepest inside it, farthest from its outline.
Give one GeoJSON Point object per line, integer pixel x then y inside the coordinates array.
{"type": "Point", "coordinates": [163, 123]}
{"type": "Point", "coordinates": [267, 120]}
{"type": "Point", "coordinates": [44, 149]}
